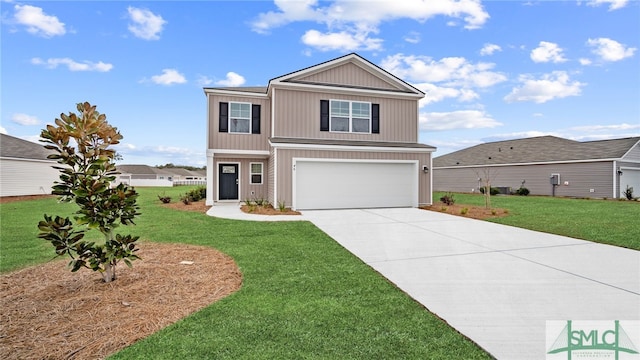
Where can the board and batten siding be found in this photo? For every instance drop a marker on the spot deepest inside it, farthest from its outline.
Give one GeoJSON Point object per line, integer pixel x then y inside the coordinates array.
{"type": "Point", "coordinates": [285, 168]}
{"type": "Point", "coordinates": [350, 75]}
{"type": "Point", "coordinates": [27, 177]}
{"type": "Point", "coordinates": [633, 154]}
{"type": "Point", "coordinates": [589, 179]}
{"type": "Point", "coordinates": [228, 140]}
{"type": "Point", "coordinates": [297, 115]}
{"type": "Point", "coordinates": [260, 191]}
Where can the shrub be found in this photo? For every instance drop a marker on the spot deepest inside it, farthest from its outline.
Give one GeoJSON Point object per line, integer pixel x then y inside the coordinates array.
{"type": "Point", "coordinates": [196, 194]}
{"type": "Point", "coordinates": [164, 199]}
{"type": "Point", "coordinates": [628, 192]}
{"type": "Point", "coordinates": [464, 211]}
{"type": "Point", "coordinates": [281, 206]}
{"type": "Point", "coordinates": [448, 199]}
{"type": "Point", "coordinates": [185, 199]}
{"type": "Point", "coordinates": [493, 191]}
{"type": "Point", "coordinates": [523, 191]}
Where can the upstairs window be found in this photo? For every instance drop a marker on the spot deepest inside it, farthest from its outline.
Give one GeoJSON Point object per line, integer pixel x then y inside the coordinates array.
{"type": "Point", "coordinates": [240, 118]}
{"type": "Point", "coordinates": [350, 116]}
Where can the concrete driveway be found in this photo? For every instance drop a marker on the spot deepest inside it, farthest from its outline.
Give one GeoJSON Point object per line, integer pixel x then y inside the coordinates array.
{"type": "Point", "coordinates": [496, 284]}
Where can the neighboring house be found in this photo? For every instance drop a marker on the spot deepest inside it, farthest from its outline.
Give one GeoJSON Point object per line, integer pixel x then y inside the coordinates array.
{"type": "Point", "coordinates": [145, 175]}
{"type": "Point", "coordinates": [340, 134]}
{"type": "Point", "coordinates": [24, 168]}
{"type": "Point", "coordinates": [597, 169]}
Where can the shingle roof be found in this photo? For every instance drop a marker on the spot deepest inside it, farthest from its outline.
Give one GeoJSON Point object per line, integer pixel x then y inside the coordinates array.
{"type": "Point", "coordinates": [14, 147]}
{"type": "Point", "coordinates": [252, 89]}
{"type": "Point", "coordinates": [536, 149]}
{"type": "Point", "coordinates": [137, 169]}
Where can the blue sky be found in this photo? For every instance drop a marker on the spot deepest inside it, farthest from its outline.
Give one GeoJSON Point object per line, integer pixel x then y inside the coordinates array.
{"type": "Point", "coordinates": [491, 70]}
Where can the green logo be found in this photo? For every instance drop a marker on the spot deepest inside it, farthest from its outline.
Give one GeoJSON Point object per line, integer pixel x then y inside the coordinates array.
{"type": "Point", "coordinates": [592, 340]}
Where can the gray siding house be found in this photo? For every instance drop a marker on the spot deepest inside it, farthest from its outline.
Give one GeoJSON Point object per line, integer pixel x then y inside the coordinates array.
{"type": "Point", "coordinates": [595, 169]}
{"type": "Point", "coordinates": [145, 175]}
{"type": "Point", "coordinates": [24, 168]}
{"type": "Point", "coordinates": [340, 134]}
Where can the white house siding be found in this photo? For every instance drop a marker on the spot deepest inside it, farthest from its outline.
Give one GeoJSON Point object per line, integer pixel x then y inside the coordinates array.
{"type": "Point", "coordinates": [633, 155]}
{"type": "Point", "coordinates": [589, 179]}
{"type": "Point", "coordinates": [285, 164]}
{"type": "Point", "coordinates": [26, 177]}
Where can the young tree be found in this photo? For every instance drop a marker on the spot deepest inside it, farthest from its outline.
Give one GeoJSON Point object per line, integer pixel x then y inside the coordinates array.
{"type": "Point", "coordinates": [81, 144]}
{"type": "Point", "coordinates": [485, 175]}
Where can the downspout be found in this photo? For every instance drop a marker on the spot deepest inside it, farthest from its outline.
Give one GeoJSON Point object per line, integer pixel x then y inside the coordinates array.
{"type": "Point", "coordinates": [275, 149]}
{"type": "Point", "coordinates": [615, 179]}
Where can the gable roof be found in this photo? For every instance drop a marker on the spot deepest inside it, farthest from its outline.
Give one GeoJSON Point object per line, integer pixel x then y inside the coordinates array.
{"type": "Point", "coordinates": [542, 149]}
{"type": "Point", "coordinates": [13, 147]}
{"type": "Point", "coordinates": [354, 64]}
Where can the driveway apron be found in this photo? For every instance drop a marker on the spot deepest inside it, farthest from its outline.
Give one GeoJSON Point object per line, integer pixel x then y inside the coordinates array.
{"type": "Point", "coordinates": [496, 284]}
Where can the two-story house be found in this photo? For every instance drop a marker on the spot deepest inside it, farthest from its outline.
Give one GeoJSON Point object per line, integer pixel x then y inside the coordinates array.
{"type": "Point", "coordinates": [340, 134]}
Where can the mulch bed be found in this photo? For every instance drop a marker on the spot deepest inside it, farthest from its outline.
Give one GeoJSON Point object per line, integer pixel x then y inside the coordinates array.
{"type": "Point", "coordinates": [474, 212]}
{"type": "Point", "coordinates": [48, 312]}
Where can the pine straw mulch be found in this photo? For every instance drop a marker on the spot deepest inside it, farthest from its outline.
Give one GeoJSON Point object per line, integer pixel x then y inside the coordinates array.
{"type": "Point", "coordinates": [49, 312]}
{"type": "Point", "coordinates": [474, 212]}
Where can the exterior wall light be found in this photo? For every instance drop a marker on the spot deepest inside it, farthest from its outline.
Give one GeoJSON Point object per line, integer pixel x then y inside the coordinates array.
{"type": "Point", "coordinates": [425, 169]}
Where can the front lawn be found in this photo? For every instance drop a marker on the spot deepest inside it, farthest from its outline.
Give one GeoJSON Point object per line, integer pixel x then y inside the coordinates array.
{"type": "Point", "coordinates": [605, 221]}
{"type": "Point", "coordinates": [303, 295]}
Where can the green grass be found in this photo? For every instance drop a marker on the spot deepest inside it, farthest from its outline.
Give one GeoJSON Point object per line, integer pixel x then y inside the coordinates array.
{"type": "Point", "coordinates": [605, 221]}
{"type": "Point", "coordinates": [303, 295]}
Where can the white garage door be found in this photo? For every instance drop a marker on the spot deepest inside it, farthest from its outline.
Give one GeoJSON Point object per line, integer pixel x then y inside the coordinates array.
{"type": "Point", "coordinates": [630, 177]}
{"type": "Point", "coordinates": [350, 185]}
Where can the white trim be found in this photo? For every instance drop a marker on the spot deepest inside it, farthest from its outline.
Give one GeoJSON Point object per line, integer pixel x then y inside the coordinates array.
{"type": "Point", "coordinates": [251, 173]}
{"type": "Point", "coordinates": [249, 119]}
{"type": "Point", "coordinates": [273, 113]}
{"type": "Point", "coordinates": [349, 148]}
{"type": "Point", "coordinates": [218, 178]}
{"type": "Point", "coordinates": [275, 175]}
{"type": "Point", "coordinates": [415, 163]}
{"type": "Point", "coordinates": [615, 179]}
{"type": "Point", "coordinates": [239, 152]}
{"type": "Point", "coordinates": [235, 93]}
{"type": "Point", "coordinates": [350, 131]}
{"type": "Point", "coordinates": [530, 163]}
{"type": "Point", "coordinates": [348, 90]}
{"type": "Point", "coordinates": [210, 177]}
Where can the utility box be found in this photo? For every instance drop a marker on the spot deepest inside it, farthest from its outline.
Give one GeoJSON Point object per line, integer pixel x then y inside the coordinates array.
{"type": "Point", "coordinates": [555, 179]}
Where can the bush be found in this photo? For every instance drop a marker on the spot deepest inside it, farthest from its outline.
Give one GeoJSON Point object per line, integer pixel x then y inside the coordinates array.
{"type": "Point", "coordinates": [493, 191]}
{"type": "Point", "coordinates": [628, 193]}
{"type": "Point", "coordinates": [448, 199]}
{"type": "Point", "coordinates": [164, 199]}
{"type": "Point", "coordinates": [196, 194]}
{"type": "Point", "coordinates": [523, 191]}
{"type": "Point", "coordinates": [464, 211]}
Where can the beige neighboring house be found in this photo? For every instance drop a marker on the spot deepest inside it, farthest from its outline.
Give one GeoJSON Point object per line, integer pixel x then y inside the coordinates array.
{"type": "Point", "coordinates": [24, 168]}
{"type": "Point", "coordinates": [145, 175]}
{"type": "Point", "coordinates": [594, 169]}
{"type": "Point", "coordinates": [340, 134]}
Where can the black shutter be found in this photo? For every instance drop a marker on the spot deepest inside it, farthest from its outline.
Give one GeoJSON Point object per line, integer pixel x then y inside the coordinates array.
{"type": "Point", "coordinates": [224, 117]}
{"type": "Point", "coordinates": [324, 115]}
{"type": "Point", "coordinates": [255, 119]}
{"type": "Point", "coordinates": [375, 118]}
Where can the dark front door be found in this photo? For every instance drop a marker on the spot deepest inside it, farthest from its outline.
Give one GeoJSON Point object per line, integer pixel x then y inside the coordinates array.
{"type": "Point", "coordinates": [228, 184]}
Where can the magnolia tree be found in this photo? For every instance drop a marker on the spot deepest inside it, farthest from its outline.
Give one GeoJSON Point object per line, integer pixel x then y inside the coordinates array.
{"type": "Point", "coordinates": [80, 143]}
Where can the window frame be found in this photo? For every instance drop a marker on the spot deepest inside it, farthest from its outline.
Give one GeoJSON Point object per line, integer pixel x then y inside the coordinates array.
{"type": "Point", "coordinates": [248, 119]}
{"type": "Point", "coordinates": [351, 117]}
{"type": "Point", "coordinates": [251, 173]}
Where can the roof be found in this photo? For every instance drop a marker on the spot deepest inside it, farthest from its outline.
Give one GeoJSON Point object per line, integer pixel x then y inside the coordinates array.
{"type": "Point", "coordinates": [150, 170]}
{"type": "Point", "coordinates": [536, 150]}
{"type": "Point", "coordinates": [13, 147]}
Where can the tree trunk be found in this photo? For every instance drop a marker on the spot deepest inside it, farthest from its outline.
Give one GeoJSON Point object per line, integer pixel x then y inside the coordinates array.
{"type": "Point", "coordinates": [109, 273]}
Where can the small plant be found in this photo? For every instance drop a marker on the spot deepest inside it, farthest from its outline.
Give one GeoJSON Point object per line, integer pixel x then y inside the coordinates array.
{"type": "Point", "coordinates": [252, 207]}
{"type": "Point", "coordinates": [492, 192]}
{"type": "Point", "coordinates": [164, 199]}
{"type": "Point", "coordinates": [248, 202]}
{"type": "Point", "coordinates": [493, 212]}
{"type": "Point", "coordinates": [185, 199]}
{"type": "Point", "coordinates": [448, 199]}
{"type": "Point", "coordinates": [523, 191]}
{"type": "Point", "coordinates": [628, 193]}
{"type": "Point", "coordinates": [443, 208]}
{"type": "Point", "coordinates": [464, 211]}
{"type": "Point", "coordinates": [281, 206]}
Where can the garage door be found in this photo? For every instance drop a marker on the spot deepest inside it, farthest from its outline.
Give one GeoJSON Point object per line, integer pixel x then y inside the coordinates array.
{"type": "Point", "coordinates": [350, 185]}
{"type": "Point", "coordinates": [630, 177]}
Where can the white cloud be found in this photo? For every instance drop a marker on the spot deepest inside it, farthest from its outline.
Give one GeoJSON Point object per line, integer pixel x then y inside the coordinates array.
{"type": "Point", "coordinates": [412, 37]}
{"type": "Point", "coordinates": [24, 119]}
{"type": "Point", "coordinates": [3, 131]}
{"type": "Point", "coordinates": [341, 41]}
{"type": "Point", "coordinates": [169, 77]}
{"type": "Point", "coordinates": [462, 119]}
{"type": "Point", "coordinates": [434, 93]}
{"type": "Point", "coordinates": [232, 79]}
{"type": "Point", "coordinates": [349, 23]}
{"type": "Point", "coordinates": [489, 49]}
{"type": "Point", "coordinates": [145, 24]}
{"type": "Point", "coordinates": [616, 127]}
{"type": "Point", "coordinates": [610, 50]}
{"type": "Point", "coordinates": [584, 61]}
{"type": "Point", "coordinates": [550, 86]}
{"type": "Point", "coordinates": [547, 52]}
{"type": "Point", "coordinates": [72, 65]}
{"type": "Point", "coordinates": [37, 22]}
{"type": "Point", "coordinates": [613, 4]}
{"type": "Point", "coordinates": [204, 80]}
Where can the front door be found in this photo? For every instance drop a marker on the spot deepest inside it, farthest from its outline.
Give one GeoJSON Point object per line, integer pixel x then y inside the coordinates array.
{"type": "Point", "coordinates": [228, 184]}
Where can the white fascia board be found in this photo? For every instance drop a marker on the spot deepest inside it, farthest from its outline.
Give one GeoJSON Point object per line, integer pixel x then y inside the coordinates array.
{"type": "Point", "coordinates": [530, 163]}
{"type": "Point", "coordinates": [235, 93]}
{"type": "Point", "coordinates": [52, 162]}
{"type": "Point", "coordinates": [346, 90]}
{"type": "Point", "coordinates": [349, 148]}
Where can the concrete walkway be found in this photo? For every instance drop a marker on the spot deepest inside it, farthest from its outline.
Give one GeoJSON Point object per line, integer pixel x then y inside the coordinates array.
{"type": "Point", "coordinates": [496, 284]}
